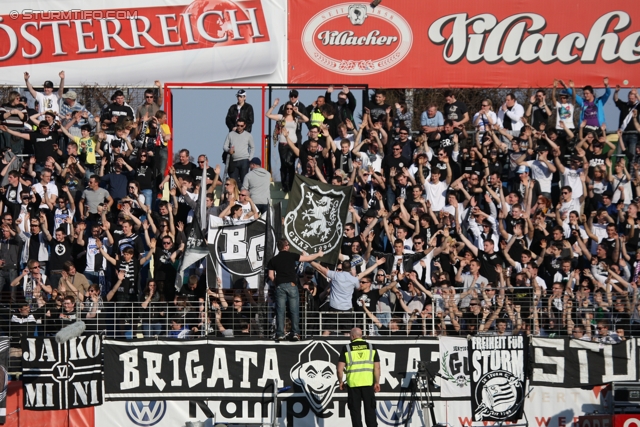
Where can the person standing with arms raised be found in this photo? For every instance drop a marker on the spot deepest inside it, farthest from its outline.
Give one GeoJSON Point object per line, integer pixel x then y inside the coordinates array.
{"type": "Point", "coordinates": [361, 364]}
{"type": "Point", "coordinates": [282, 272]}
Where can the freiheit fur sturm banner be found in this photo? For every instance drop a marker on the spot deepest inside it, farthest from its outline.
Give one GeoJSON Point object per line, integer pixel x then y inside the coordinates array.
{"type": "Point", "coordinates": [316, 217]}
{"type": "Point", "coordinates": [497, 377]}
{"type": "Point", "coordinates": [62, 376]}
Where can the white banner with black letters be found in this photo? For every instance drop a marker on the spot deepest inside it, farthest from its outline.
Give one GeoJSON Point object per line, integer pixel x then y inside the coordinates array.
{"type": "Point", "coordinates": [62, 376]}
{"type": "Point", "coordinates": [497, 377]}
{"type": "Point", "coordinates": [566, 362]}
{"type": "Point", "coordinates": [454, 369]}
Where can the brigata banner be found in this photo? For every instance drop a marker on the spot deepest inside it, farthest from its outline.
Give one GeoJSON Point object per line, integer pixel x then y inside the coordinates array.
{"type": "Point", "coordinates": [567, 362]}
{"type": "Point", "coordinates": [235, 371]}
{"type": "Point", "coordinates": [136, 42]}
{"type": "Point", "coordinates": [519, 43]}
{"type": "Point", "coordinates": [62, 376]}
{"type": "Point", "coordinates": [498, 366]}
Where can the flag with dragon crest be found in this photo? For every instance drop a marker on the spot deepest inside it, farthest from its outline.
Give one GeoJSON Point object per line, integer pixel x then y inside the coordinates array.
{"type": "Point", "coordinates": [316, 216]}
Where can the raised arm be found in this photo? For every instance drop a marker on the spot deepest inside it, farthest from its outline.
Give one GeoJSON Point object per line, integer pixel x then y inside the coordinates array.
{"type": "Point", "coordinates": [30, 88]}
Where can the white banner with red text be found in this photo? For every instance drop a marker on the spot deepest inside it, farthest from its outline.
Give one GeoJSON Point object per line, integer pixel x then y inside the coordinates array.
{"type": "Point", "coordinates": [133, 43]}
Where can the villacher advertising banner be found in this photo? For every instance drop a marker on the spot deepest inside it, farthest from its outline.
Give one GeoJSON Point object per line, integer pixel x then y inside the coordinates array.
{"type": "Point", "coordinates": [137, 42]}
{"type": "Point", "coordinates": [498, 366]}
{"type": "Point", "coordinates": [420, 44]}
{"type": "Point", "coordinates": [62, 376]}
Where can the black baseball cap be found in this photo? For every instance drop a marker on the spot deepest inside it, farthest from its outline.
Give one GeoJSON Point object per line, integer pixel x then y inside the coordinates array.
{"type": "Point", "coordinates": [48, 83]}
{"type": "Point", "coordinates": [293, 93]}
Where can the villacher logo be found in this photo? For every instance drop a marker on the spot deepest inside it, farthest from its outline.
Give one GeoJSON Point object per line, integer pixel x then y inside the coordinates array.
{"type": "Point", "coordinates": [354, 39]}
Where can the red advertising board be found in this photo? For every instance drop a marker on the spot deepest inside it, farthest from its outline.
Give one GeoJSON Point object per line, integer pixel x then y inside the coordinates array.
{"type": "Point", "coordinates": [422, 44]}
{"type": "Point", "coordinates": [608, 420]}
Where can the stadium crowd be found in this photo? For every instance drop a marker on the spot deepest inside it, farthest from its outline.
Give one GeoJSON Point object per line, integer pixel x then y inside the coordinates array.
{"type": "Point", "coordinates": [513, 219]}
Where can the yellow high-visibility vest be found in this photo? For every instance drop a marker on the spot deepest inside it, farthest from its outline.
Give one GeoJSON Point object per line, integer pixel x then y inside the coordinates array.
{"type": "Point", "coordinates": [359, 363]}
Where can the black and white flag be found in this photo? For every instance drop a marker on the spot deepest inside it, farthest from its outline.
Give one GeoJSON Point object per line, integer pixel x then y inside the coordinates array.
{"type": "Point", "coordinates": [62, 376]}
{"type": "Point", "coordinates": [316, 217]}
{"type": "Point", "coordinates": [238, 250]}
{"type": "Point", "coordinates": [497, 377]}
{"type": "Point", "coordinates": [196, 247]}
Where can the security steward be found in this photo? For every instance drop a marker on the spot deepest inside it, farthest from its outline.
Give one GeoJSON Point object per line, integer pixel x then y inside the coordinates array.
{"type": "Point", "coordinates": [360, 361]}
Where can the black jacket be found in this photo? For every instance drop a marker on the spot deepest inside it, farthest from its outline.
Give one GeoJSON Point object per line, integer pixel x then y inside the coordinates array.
{"type": "Point", "coordinates": [246, 113]}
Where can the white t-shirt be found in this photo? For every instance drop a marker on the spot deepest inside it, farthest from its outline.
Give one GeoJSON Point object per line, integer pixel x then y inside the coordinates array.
{"type": "Point", "coordinates": [436, 194]}
{"type": "Point", "coordinates": [541, 173]}
{"type": "Point", "coordinates": [47, 103]}
{"type": "Point", "coordinates": [571, 205]}
{"type": "Point", "coordinates": [572, 179]}
{"type": "Point", "coordinates": [600, 231]}
{"type": "Point", "coordinates": [483, 122]}
{"type": "Point", "coordinates": [51, 189]}
{"type": "Point", "coordinates": [564, 112]}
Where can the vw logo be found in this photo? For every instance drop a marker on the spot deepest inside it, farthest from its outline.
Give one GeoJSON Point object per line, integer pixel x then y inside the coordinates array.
{"type": "Point", "coordinates": [145, 414]}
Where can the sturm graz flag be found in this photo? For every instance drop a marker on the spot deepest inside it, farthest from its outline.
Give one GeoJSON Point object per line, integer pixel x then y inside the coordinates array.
{"type": "Point", "coordinates": [316, 217]}
{"type": "Point", "coordinates": [497, 377]}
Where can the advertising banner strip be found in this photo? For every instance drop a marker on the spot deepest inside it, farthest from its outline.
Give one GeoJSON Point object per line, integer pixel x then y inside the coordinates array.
{"type": "Point", "coordinates": [413, 44]}
{"type": "Point", "coordinates": [136, 42]}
